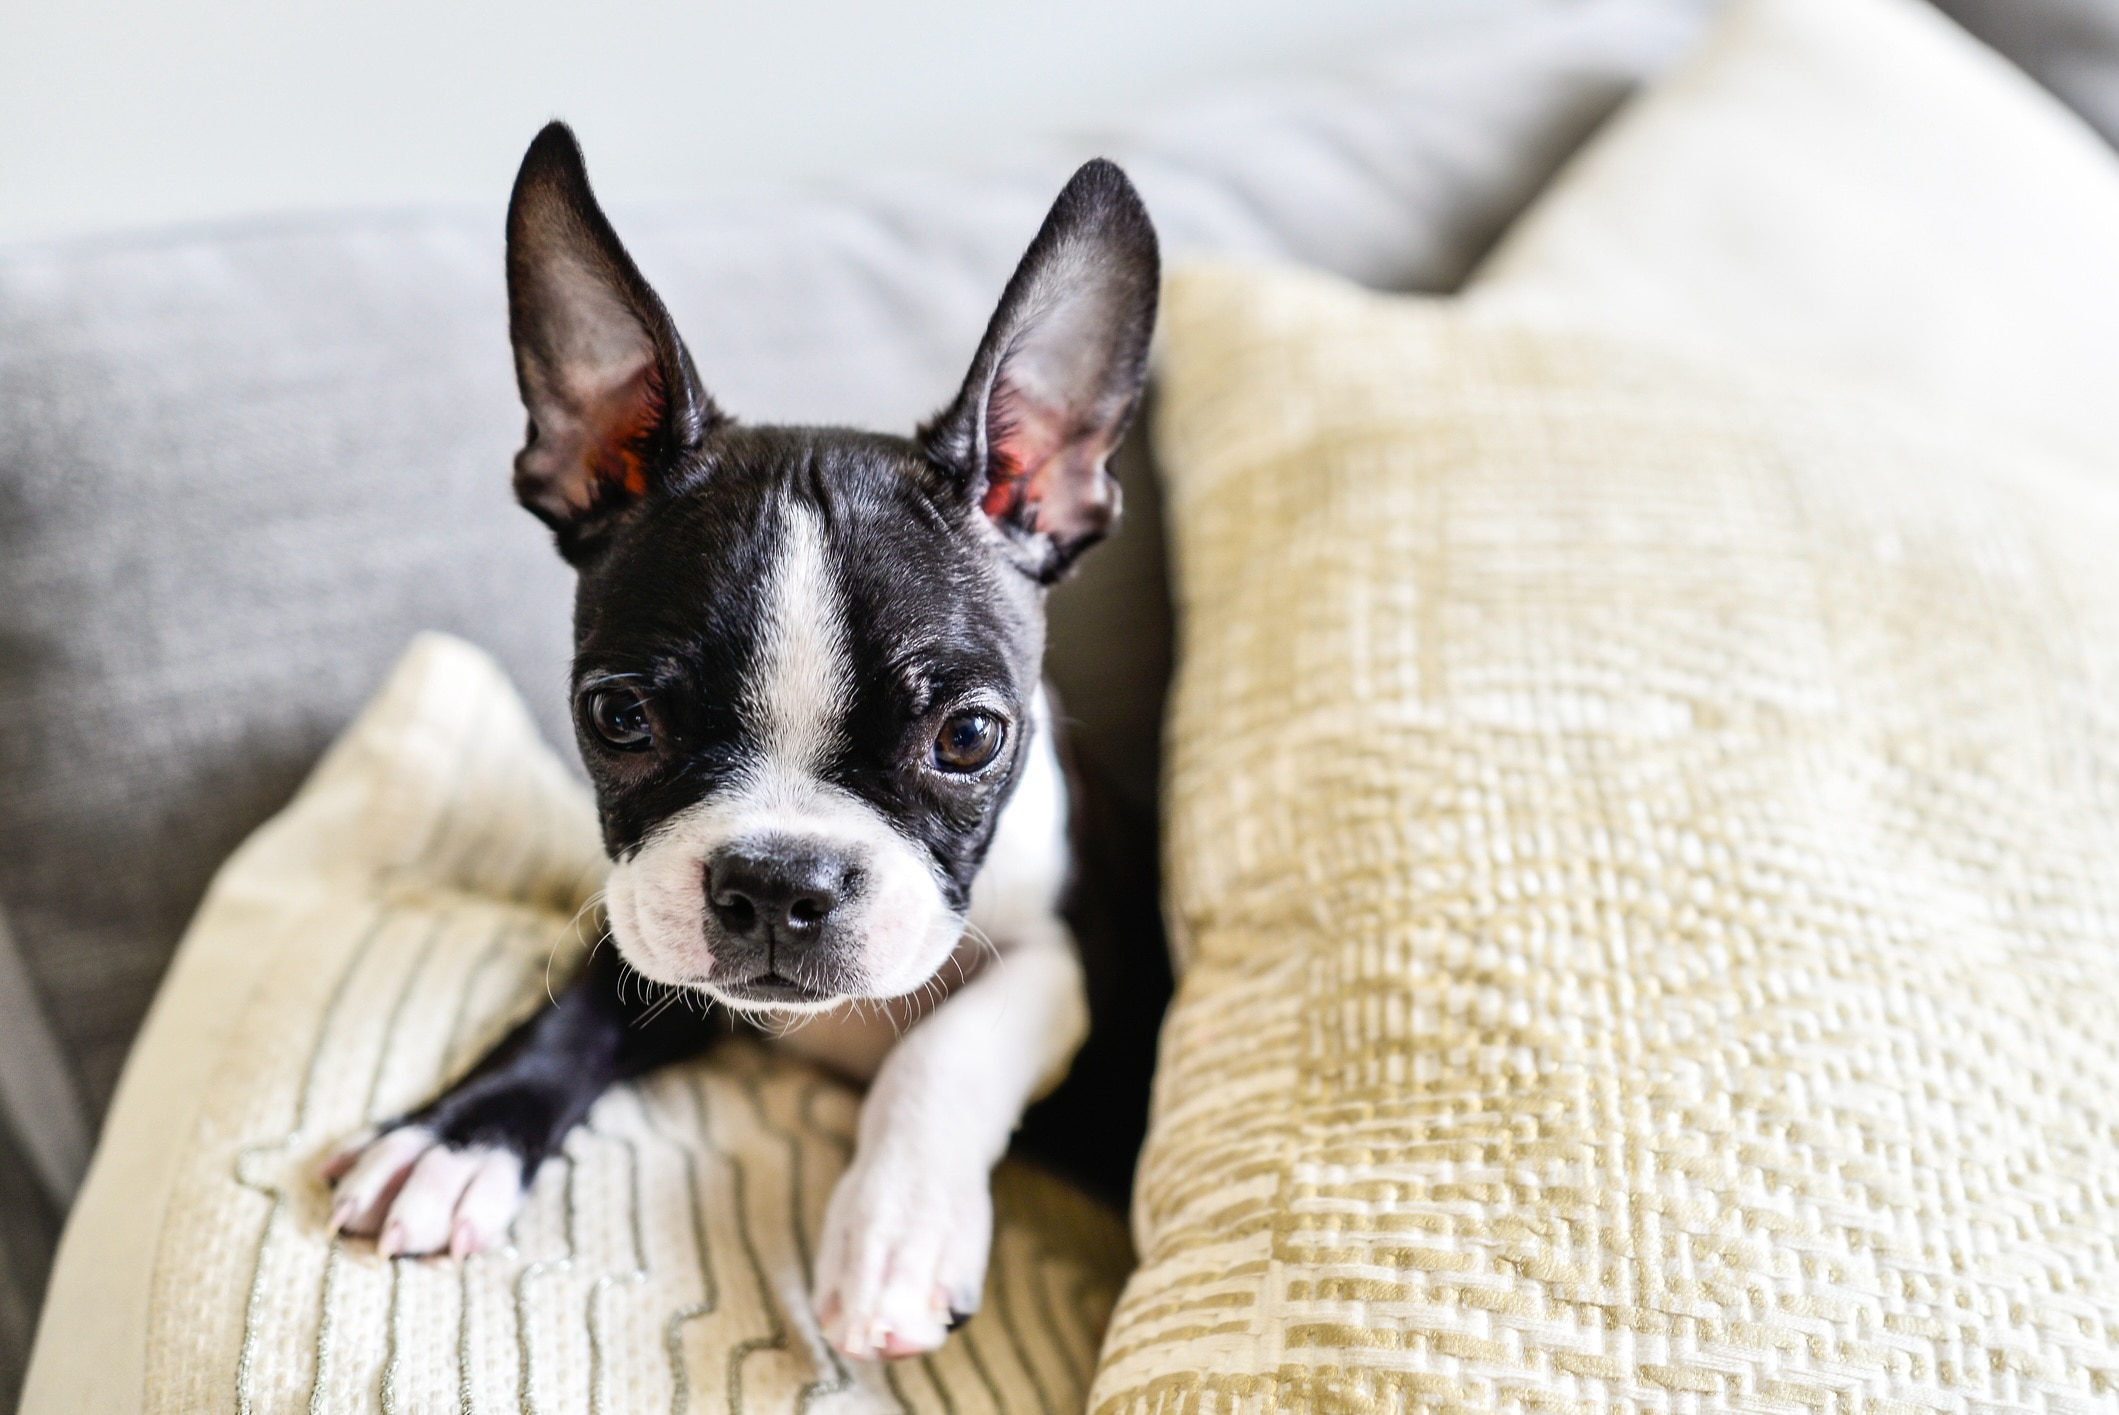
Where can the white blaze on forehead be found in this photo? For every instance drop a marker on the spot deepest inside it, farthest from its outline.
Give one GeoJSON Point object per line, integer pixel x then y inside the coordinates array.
{"type": "Point", "coordinates": [802, 681]}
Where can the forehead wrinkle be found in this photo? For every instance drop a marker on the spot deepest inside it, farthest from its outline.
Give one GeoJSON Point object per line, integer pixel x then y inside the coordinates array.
{"type": "Point", "coordinates": [802, 681]}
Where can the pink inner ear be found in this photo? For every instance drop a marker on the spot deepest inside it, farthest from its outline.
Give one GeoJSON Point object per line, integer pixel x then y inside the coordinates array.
{"type": "Point", "coordinates": [619, 421]}
{"type": "Point", "coordinates": [1045, 476]}
{"type": "Point", "coordinates": [591, 445]}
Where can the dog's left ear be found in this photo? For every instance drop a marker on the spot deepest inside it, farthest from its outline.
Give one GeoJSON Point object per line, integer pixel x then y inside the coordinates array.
{"type": "Point", "coordinates": [1059, 374]}
{"type": "Point", "coordinates": [609, 387]}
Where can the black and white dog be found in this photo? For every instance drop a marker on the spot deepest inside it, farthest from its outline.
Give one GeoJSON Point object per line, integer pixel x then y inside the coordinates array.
{"type": "Point", "coordinates": [807, 690]}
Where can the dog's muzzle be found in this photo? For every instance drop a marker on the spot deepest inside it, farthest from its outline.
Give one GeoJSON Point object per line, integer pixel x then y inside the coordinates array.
{"type": "Point", "coordinates": [779, 910]}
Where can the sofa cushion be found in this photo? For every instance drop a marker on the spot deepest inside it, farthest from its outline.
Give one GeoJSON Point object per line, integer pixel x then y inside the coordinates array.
{"type": "Point", "coordinates": [415, 898]}
{"type": "Point", "coordinates": [1858, 188]}
{"type": "Point", "coordinates": [28, 1229]}
{"type": "Point", "coordinates": [2070, 46]}
{"type": "Point", "coordinates": [1650, 898]}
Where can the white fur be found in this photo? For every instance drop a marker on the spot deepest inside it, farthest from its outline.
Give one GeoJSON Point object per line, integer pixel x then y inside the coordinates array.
{"type": "Point", "coordinates": [362, 1197]}
{"type": "Point", "coordinates": [798, 694]}
{"type": "Point", "coordinates": [1018, 889]}
{"type": "Point", "coordinates": [908, 1228]}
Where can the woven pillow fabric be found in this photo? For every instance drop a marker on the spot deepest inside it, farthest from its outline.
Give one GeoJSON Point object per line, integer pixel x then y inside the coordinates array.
{"type": "Point", "coordinates": [1645, 843]}
{"type": "Point", "coordinates": [363, 946]}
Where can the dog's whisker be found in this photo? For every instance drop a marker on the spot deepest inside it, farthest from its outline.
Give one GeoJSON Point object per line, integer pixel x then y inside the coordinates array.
{"type": "Point", "coordinates": [573, 926]}
{"type": "Point", "coordinates": [669, 999]}
{"type": "Point", "coordinates": [980, 937]}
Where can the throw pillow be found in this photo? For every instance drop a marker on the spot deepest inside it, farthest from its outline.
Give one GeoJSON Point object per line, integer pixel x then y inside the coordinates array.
{"type": "Point", "coordinates": [1646, 842]}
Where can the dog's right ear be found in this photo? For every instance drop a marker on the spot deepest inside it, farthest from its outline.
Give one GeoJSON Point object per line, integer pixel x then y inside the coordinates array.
{"type": "Point", "coordinates": [609, 388]}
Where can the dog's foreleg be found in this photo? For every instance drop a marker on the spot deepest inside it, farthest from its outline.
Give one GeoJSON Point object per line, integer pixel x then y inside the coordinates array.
{"type": "Point", "coordinates": [452, 1174]}
{"type": "Point", "coordinates": [903, 1256]}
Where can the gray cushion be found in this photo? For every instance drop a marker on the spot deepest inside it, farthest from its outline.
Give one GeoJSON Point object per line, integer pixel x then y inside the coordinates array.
{"type": "Point", "coordinates": [239, 469]}
{"type": "Point", "coordinates": [2070, 46]}
{"type": "Point", "coordinates": [29, 1231]}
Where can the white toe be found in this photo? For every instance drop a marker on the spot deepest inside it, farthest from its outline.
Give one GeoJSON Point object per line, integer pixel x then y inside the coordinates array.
{"type": "Point", "coordinates": [424, 1211]}
{"type": "Point", "coordinates": [364, 1192]}
{"type": "Point", "coordinates": [910, 1312]}
{"type": "Point", "coordinates": [489, 1204]}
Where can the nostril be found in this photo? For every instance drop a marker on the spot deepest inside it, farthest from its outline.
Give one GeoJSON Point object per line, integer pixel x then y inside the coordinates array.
{"type": "Point", "coordinates": [737, 912]}
{"type": "Point", "coordinates": [732, 901]}
{"type": "Point", "coordinates": [808, 911]}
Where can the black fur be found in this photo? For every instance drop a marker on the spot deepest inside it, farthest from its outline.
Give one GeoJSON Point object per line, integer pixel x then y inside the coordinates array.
{"type": "Point", "coordinates": [536, 1085]}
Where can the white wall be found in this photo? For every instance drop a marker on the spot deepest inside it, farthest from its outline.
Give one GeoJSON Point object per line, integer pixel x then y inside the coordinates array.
{"type": "Point", "coordinates": [122, 113]}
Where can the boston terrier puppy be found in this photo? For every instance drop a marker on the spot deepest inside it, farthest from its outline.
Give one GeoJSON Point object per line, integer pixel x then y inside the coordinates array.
{"type": "Point", "coordinates": [807, 691]}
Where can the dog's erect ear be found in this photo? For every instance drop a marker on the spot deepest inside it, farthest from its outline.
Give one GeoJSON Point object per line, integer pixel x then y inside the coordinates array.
{"type": "Point", "coordinates": [1059, 374]}
{"type": "Point", "coordinates": [608, 385]}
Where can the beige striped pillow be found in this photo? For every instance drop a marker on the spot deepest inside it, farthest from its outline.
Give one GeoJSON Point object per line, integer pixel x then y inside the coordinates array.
{"type": "Point", "coordinates": [1645, 839]}
{"type": "Point", "coordinates": [360, 948]}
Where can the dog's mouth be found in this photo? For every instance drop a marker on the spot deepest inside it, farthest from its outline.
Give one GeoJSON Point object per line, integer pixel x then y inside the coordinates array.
{"type": "Point", "coordinates": [771, 989]}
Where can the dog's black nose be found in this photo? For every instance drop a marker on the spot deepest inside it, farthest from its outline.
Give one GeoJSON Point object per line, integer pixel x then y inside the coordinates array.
{"type": "Point", "coordinates": [781, 898]}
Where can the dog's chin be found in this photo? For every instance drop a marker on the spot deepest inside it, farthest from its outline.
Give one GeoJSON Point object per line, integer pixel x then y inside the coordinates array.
{"type": "Point", "coordinates": [788, 994]}
{"type": "Point", "coordinates": [763, 997]}
{"type": "Point", "coordinates": [772, 996]}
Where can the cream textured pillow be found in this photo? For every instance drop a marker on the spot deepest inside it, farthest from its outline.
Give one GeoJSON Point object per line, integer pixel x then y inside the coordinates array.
{"type": "Point", "coordinates": [1646, 843]}
{"type": "Point", "coordinates": [373, 938]}
{"type": "Point", "coordinates": [1859, 188]}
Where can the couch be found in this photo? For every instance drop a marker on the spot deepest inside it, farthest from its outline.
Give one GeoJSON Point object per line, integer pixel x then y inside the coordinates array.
{"type": "Point", "coordinates": [244, 467]}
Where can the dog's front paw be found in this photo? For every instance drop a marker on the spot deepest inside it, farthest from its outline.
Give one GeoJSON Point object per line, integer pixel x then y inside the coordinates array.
{"type": "Point", "coordinates": [415, 1193]}
{"type": "Point", "coordinates": [903, 1259]}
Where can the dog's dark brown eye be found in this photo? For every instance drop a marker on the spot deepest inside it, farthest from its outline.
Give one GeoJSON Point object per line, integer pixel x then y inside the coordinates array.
{"type": "Point", "coordinates": [619, 714]}
{"type": "Point", "coordinates": [967, 742]}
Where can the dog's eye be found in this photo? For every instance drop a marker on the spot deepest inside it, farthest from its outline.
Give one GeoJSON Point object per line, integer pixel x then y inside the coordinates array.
{"type": "Point", "coordinates": [967, 742]}
{"type": "Point", "coordinates": [619, 714]}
